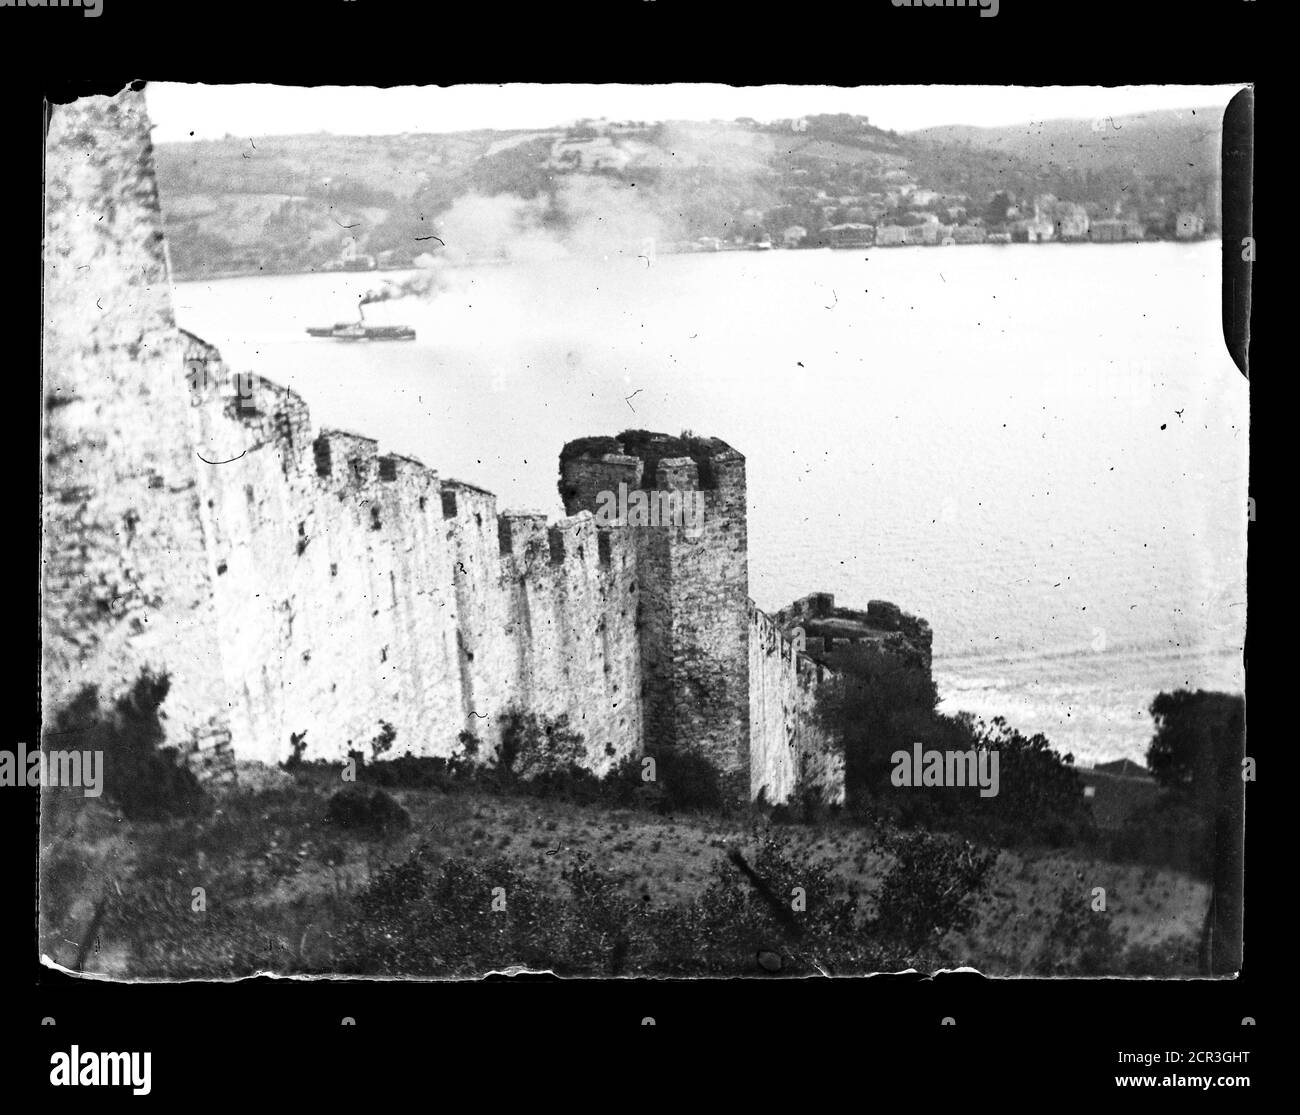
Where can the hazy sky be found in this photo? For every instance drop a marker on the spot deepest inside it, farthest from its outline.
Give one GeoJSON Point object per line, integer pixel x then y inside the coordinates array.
{"type": "Point", "coordinates": [212, 111]}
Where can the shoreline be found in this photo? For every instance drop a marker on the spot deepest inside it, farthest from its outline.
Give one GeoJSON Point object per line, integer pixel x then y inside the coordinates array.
{"type": "Point", "coordinates": [215, 276]}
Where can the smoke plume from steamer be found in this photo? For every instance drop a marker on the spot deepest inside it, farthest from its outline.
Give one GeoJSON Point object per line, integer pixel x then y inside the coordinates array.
{"type": "Point", "coordinates": [586, 218]}
{"type": "Point", "coordinates": [414, 286]}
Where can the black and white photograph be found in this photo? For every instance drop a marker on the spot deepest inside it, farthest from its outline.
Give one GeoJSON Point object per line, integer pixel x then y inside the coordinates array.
{"type": "Point", "coordinates": [640, 531]}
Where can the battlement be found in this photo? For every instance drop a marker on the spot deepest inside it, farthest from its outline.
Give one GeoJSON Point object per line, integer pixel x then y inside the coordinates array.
{"type": "Point", "coordinates": [572, 540]}
{"type": "Point", "coordinates": [344, 459]}
{"type": "Point", "coordinates": [242, 409]}
{"type": "Point", "coordinates": [677, 474]}
{"type": "Point", "coordinates": [641, 458]}
{"type": "Point", "coordinates": [830, 634]}
{"type": "Point", "coordinates": [523, 537]}
{"type": "Point", "coordinates": [351, 467]}
{"type": "Point", "coordinates": [462, 502]}
{"type": "Point", "coordinates": [775, 642]}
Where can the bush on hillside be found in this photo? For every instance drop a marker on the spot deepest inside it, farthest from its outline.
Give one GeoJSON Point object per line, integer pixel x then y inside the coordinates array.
{"type": "Point", "coordinates": [881, 705]}
{"type": "Point", "coordinates": [146, 780]}
{"type": "Point", "coordinates": [687, 782]}
{"type": "Point", "coordinates": [366, 811]}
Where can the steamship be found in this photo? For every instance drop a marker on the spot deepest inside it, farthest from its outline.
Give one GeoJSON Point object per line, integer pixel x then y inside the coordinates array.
{"type": "Point", "coordinates": [360, 331]}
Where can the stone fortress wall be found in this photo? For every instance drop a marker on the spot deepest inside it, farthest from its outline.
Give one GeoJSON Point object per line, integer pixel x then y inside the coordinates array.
{"type": "Point", "coordinates": [354, 587]}
{"type": "Point", "coordinates": [125, 577]}
{"type": "Point", "coordinates": [299, 583]}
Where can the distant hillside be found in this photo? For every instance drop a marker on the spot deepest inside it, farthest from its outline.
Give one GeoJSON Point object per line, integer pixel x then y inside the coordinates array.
{"type": "Point", "coordinates": [1168, 158]}
{"type": "Point", "coordinates": [307, 202]}
{"type": "Point", "coordinates": [1148, 144]}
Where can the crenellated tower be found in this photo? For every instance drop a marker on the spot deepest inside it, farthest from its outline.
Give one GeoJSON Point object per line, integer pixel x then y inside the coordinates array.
{"type": "Point", "coordinates": [688, 525]}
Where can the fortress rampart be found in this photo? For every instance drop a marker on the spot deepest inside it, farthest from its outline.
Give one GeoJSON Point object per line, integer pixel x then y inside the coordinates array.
{"type": "Point", "coordinates": [298, 583]}
{"type": "Point", "coordinates": [789, 747]}
{"type": "Point", "coordinates": [833, 635]}
{"type": "Point", "coordinates": [354, 587]}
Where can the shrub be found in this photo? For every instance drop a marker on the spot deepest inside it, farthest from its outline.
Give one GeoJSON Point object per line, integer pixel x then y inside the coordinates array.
{"type": "Point", "coordinates": [883, 703]}
{"type": "Point", "coordinates": [877, 705]}
{"type": "Point", "coordinates": [413, 772]}
{"type": "Point", "coordinates": [366, 810]}
{"type": "Point", "coordinates": [572, 783]}
{"type": "Point", "coordinates": [469, 743]}
{"type": "Point", "coordinates": [533, 746]}
{"type": "Point", "coordinates": [627, 787]}
{"type": "Point", "coordinates": [297, 746]}
{"type": "Point", "coordinates": [753, 911]}
{"type": "Point", "coordinates": [687, 782]}
{"type": "Point", "coordinates": [623, 782]}
{"type": "Point", "coordinates": [539, 757]}
{"type": "Point", "coordinates": [930, 890]}
{"type": "Point", "coordinates": [1040, 794]}
{"type": "Point", "coordinates": [146, 780]}
{"type": "Point", "coordinates": [383, 741]}
{"type": "Point", "coordinates": [467, 918]}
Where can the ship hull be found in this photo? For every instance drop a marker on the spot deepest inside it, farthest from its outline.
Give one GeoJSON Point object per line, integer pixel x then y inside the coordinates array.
{"type": "Point", "coordinates": [363, 332]}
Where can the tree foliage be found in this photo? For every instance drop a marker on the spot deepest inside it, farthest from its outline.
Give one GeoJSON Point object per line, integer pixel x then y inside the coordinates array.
{"type": "Point", "coordinates": [1198, 743]}
{"type": "Point", "coordinates": [882, 704]}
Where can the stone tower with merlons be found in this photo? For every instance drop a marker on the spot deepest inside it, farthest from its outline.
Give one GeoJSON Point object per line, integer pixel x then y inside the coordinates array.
{"type": "Point", "coordinates": [693, 626]}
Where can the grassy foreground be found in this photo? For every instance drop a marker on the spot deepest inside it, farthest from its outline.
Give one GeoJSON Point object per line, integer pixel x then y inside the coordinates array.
{"type": "Point", "coordinates": [263, 881]}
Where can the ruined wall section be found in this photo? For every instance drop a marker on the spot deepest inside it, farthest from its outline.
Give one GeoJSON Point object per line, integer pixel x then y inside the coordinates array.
{"type": "Point", "coordinates": [126, 580]}
{"type": "Point", "coordinates": [832, 633]}
{"type": "Point", "coordinates": [355, 588]}
{"type": "Point", "coordinates": [789, 748]}
{"type": "Point", "coordinates": [793, 654]}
